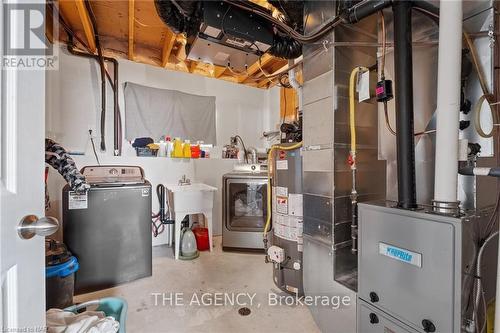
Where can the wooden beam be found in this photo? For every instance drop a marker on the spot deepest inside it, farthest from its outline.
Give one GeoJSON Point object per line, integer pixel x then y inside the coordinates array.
{"type": "Point", "coordinates": [86, 23]}
{"type": "Point", "coordinates": [264, 60]}
{"type": "Point", "coordinates": [167, 47]}
{"type": "Point", "coordinates": [263, 83]}
{"type": "Point", "coordinates": [219, 71]}
{"type": "Point", "coordinates": [192, 66]}
{"type": "Point", "coordinates": [274, 81]}
{"type": "Point", "coordinates": [131, 26]}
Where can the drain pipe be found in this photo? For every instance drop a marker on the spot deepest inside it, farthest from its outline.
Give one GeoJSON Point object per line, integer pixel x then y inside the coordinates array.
{"type": "Point", "coordinates": [448, 107]}
{"type": "Point", "coordinates": [114, 86]}
{"type": "Point", "coordinates": [403, 65]}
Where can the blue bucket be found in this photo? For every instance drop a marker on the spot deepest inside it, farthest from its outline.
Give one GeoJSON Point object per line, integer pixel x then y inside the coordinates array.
{"type": "Point", "coordinates": [62, 270]}
{"type": "Point", "coordinates": [60, 284]}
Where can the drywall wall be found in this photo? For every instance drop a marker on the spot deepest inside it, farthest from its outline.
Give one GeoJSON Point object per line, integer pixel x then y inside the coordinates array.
{"type": "Point", "coordinates": [74, 101]}
{"type": "Point", "coordinates": [73, 105]}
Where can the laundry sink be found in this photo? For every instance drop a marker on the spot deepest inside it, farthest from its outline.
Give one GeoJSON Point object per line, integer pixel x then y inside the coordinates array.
{"type": "Point", "coordinates": [191, 197]}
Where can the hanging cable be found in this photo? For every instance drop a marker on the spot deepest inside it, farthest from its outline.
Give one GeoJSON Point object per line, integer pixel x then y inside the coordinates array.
{"type": "Point", "coordinates": [244, 148]}
{"type": "Point", "coordinates": [93, 147]}
{"type": "Point", "coordinates": [477, 118]}
{"type": "Point", "coordinates": [384, 45]}
{"type": "Point", "coordinates": [479, 285]}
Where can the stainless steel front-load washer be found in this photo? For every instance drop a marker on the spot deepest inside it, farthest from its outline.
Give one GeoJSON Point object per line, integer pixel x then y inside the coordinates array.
{"type": "Point", "coordinates": [244, 210]}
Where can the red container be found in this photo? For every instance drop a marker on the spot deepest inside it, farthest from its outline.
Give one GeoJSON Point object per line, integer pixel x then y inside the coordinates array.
{"type": "Point", "coordinates": [201, 235]}
{"type": "Point", "coordinates": [195, 151]}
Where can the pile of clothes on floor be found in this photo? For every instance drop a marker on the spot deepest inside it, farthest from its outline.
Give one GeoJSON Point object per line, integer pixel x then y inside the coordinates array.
{"type": "Point", "coordinates": [59, 321]}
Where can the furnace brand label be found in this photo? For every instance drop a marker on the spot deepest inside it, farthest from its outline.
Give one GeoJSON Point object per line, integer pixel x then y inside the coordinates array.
{"type": "Point", "coordinates": [400, 254]}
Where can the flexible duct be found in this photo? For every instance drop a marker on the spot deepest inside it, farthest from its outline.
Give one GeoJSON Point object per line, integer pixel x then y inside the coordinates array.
{"type": "Point", "coordinates": [285, 46]}
{"type": "Point", "coordinates": [180, 16]}
{"type": "Point", "coordinates": [448, 102]}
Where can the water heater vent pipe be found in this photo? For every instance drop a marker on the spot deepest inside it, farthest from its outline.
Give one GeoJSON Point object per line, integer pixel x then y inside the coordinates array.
{"type": "Point", "coordinates": [448, 107]}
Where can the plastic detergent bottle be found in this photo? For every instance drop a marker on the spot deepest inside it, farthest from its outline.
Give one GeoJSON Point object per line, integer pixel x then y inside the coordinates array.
{"type": "Point", "coordinates": [169, 146]}
{"type": "Point", "coordinates": [177, 152]}
{"type": "Point", "coordinates": [162, 151]}
{"type": "Point", "coordinates": [195, 151]}
{"type": "Point", "coordinates": [187, 149]}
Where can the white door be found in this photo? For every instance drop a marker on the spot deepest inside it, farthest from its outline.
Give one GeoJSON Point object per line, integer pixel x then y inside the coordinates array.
{"type": "Point", "coordinates": [22, 130]}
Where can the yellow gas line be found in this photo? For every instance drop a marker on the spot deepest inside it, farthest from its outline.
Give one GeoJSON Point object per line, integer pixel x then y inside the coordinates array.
{"type": "Point", "coordinates": [269, 172]}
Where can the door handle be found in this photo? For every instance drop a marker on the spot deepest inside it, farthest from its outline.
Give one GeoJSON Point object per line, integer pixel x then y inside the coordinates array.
{"type": "Point", "coordinates": [31, 225]}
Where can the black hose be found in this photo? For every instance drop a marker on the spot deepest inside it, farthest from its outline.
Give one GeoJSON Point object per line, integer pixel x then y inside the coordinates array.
{"type": "Point", "coordinates": [244, 148]}
{"type": "Point", "coordinates": [364, 9]}
{"type": "Point", "coordinates": [469, 170]}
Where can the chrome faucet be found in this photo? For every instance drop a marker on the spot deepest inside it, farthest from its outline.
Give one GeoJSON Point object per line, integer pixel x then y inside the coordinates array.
{"type": "Point", "coordinates": [184, 181]}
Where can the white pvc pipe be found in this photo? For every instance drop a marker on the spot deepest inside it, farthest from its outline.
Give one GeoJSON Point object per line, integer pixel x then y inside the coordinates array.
{"type": "Point", "coordinates": [295, 84]}
{"type": "Point", "coordinates": [448, 100]}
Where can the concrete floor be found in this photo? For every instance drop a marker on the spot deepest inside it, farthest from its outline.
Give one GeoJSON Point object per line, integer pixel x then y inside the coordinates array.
{"type": "Point", "coordinates": [211, 273]}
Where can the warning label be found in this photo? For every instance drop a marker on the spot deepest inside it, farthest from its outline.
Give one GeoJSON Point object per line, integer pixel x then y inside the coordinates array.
{"type": "Point", "coordinates": [77, 200]}
{"type": "Point", "coordinates": [282, 205]}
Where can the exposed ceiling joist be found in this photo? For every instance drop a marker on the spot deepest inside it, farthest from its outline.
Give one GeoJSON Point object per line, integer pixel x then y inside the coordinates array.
{"type": "Point", "coordinates": [87, 24]}
{"type": "Point", "coordinates": [141, 36]}
{"type": "Point", "coordinates": [264, 60]}
{"type": "Point", "coordinates": [270, 82]}
{"type": "Point", "coordinates": [167, 47]}
{"type": "Point", "coordinates": [192, 66]}
{"type": "Point", "coordinates": [263, 83]}
{"type": "Point", "coordinates": [131, 25]}
{"type": "Point", "coordinates": [219, 71]}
